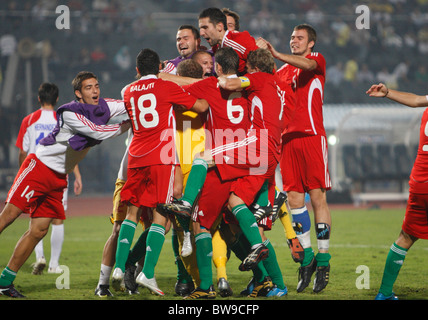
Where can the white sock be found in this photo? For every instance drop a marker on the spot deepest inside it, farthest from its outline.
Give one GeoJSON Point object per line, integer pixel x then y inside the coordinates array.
{"type": "Point", "coordinates": [39, 250]}
{"type": "Point", "coordinates": [57, 238]}
{"type": "Point", "coordinates": [105, 273]}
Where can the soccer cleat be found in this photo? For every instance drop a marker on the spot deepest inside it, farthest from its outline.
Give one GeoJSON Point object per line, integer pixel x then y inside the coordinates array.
{"type": "Point", "coordinates": [305, 274]}
{"type": "Point", "coordinates": [199, 293]}
{"type": "Point", "coordinates": [117, 279]}
{"type": "Point", "coordinates": [186, 249]}
{"type": "Point", "coordinates": [224, 289]}
{"type": "Point", "coordinates": [321, 278]}
{"type": "Point", "coordinates": [256, 255]}
{"type": "Point", "coordinates": [297, 251]}
{"type": "Point", "coordinates": [280, 199]}
{"type": "Point", "coordinates": [103, 291]}
{"type": "Point", "coordinates": [261, 289]}
{"type": "Point", "coordinates": [129, 279]}
{"type": "Point", "coordinates": [56, 270]}
{"type": "Point", "coordinates": [39, 266]}
{"type": "Point", "coordinates": [184, 288]}
{"type": "Point", "coordinates": [381, 296]}
{"type": "Point", "coordinates": [10, 291]}
{"type": "Point", "coordinates": [149, 284]}
{"type": "Point", "coordinates": [176, 207]}
{"type": "Point", "coordinates": [260, 212]}
{"type": "Point", "coordinates": [250, 287]}
{"type": "Point", "coordinates": [277, 292]}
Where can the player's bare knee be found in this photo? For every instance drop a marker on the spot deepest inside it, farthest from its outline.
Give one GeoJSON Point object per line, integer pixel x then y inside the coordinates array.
{"type": "Point", "coordinates": [38, 233]}
{"type": "Point", "coordinates": [405, 240]}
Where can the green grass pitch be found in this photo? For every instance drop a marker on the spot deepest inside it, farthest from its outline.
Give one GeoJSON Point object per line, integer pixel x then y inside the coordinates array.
{"type": "Point", "coordinates": [359, 243]}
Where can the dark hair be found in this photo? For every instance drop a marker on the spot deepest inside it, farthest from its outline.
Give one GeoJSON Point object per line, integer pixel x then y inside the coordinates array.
{"type": "Point", "coordinates": [228, 59]}
{"type": "Point", "coordinates": [48, 93]}
{"type": "Point", "coordinates": [190, 68]}
{"type": "Point", "coordinates": [148, 62]}
{"type": "Point", "coordinates": [234, 15]}
{"type": "Point", "coordinates": [215, 15]}
{"type": "Point", "coordinates": [312, 34]}
{"type": "Point", "coordinates": [194, 30]}
{"type": "Point", "coordinates": [80, 77]}
{"type": "Point", "coordinates": [262, 59]}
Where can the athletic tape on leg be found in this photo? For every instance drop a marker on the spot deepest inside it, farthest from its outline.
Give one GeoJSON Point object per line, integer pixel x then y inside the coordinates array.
{"type": "Point", "coordinates": [323, 235]}
{"type": "Point", "coordinates": [301, 218]}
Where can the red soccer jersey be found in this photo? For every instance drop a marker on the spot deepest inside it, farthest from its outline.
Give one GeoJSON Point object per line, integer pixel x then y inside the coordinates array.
{"type": "Point", "coordinates": [149, 103]}
{"type": "Point", "coordinates": [308, 87]}
{"type": "Point", "coordinates": [287, 94]}
{"type": "Point", "coordinates": [419, 176]}
{"type": "Point", "coordinates": [265, 107]}
{"type": "Point", "coordinates": [242, 43]}
{"type": "Point", "coordinates": [227, 119]}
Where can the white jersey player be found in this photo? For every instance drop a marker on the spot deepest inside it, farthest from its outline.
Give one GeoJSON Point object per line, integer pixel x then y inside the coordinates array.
{"type": "Point", "coordinates": [40, 182]}
{"type": "Point", "coordinates": [35, 127]}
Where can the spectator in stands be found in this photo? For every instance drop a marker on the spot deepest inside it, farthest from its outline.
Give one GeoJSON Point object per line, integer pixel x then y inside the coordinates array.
{"type": "Point", "coordinates": [365, 75]}
{"type": "Point", "coordinates": [334, 74]}
{"type": "Point", "coordinates": [8, 46]}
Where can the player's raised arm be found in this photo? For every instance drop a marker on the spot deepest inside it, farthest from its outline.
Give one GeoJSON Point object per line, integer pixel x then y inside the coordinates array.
{"type": "Point", "coordinates": [298, 61]}
{"type": "Point", "coordinates": [181, 81]}
{"type": "Point", "coordinates": [80, 124]}
{"type": "Point", "coordinates": [409, 99]}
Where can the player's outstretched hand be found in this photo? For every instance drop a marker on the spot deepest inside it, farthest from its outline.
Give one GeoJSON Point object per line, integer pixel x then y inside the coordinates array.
{"type": "Point", "coordinates": [377, 90]}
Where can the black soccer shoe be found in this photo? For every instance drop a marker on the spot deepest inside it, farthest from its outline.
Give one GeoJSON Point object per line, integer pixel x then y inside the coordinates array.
{"type": "Point", "coordinates": [256, 255]}
{"type": "Point", "coordinates": [129, 279]}
{"type": "Point", "coordinates": [103, 291]}
{"type": "Point", "coordinates": [261, 289]}
{"type": "Point", "coordinates": [260, 212]}
{"type": "Point", "coordinates": [184, 288]}
{"type": "Point", "coordinates": [10, 291]}
{"type": "Point", "coordinates": [280, 199]}
{"type": "Point", "coordinates": [199, 293]}
{"type": "Point", "coordinates": [305, 274]}
{"type": "Point", "coordinates": [321, 278]}
{"type": "Point", "coordinates": [176, 207]}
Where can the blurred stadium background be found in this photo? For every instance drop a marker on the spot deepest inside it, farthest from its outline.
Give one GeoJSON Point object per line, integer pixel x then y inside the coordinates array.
{"type": "Point", "coordinates": [372, 142]}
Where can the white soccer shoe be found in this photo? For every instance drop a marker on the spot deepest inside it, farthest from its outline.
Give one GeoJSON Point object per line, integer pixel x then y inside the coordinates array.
{"type": "Point", "coordinates": [117, 280]}
{"type": "Point", "coordinates": [186, 249]}
{"type": "Point", "coordinates": [149, 284]}
{"type": "Point", "coordinates": [56, 269]}
{"type": "Point", "coordinates": [38, 266]}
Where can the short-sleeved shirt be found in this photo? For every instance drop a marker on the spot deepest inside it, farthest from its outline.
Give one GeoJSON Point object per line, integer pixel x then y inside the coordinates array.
{"type": "Point", "coordinates": [286, 94]}
{"type": "Point", "coordinates": [227, 123]}
{"type": "Point", "coordinates": [228, 109]}
{"type": "Point", "coordinates": [308, 87]}
{"type": "Point", "coordinates": [242, 43]}
{"type": "Point", "coordinates": [35, 127]}
{"type": "Point", "coordinates": [419, 176]}
{"type": "Point", "coordinates": [149, 103]}
{"type": "Point", "coordinates": [265, 104]}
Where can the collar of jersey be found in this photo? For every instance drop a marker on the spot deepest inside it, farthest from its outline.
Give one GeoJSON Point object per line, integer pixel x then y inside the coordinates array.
{"type": "Point", "coordinates": [149, 76]}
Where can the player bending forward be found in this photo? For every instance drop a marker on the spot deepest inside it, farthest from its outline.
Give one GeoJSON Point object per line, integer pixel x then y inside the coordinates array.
{"type": "Point", "coordinates": [39, 185]}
